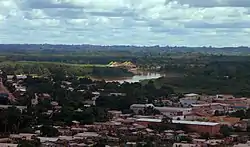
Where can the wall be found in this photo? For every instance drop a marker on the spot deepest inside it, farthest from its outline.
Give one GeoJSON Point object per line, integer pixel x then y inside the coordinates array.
{"type": "Point", "coordinates": [212, 130]}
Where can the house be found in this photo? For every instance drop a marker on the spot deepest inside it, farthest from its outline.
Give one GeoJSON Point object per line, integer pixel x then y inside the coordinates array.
{"type": "Point", "coordinates": [196, 116]}
{"type": "Point", "coordinates": [140, 107]}
{"type": "Point", "coordinates": [21, 77]}
{"type": "Point", "coordinates": [96, 93]}
{"type": "Point", "coordinates": [243, 145]}
{"type": "Point", "coordinates": [211, 108]}
{"type": "Point", "coordinates": [10, 77]}
{"type": "Point", "coordinates": [201, 142]}
{"type": "Point", "coordinates": [114, 114]}
{"type": "Point", "coordinates": [185, 145]}
{"type": "Point", "coordinates": [242, 125]}
{"type": "Point", "coordinates": [215, 142]}
{"type": "Point", "coordinates": [22, 108]}
{"type": "Point", "coordinates": [117, 94]}
{"type": "Point", "coordinates": [19, 90]}
{"type": "Point", "coordinates": [235, 103]}
{"type": "Point", "coordinates": [191, 95]}
{"type": "Point", "coordinates": [167, 111]}
{"type": "Point", "coordinates": [224, 120]}
{"type": "Point", "coordinates": [23, 136]}
{"type": "Point", "coordinates": [200, 127]}
{"type": "Point", "coordinates": [148, 121]}
{"type": "Point", "coordinates": [42, 96]}
{"type": "Point", "coordinates": [48, 140]}
{"type": "Point", "coordinates": [174, 111]}
{"type": "Point", "coordinates": [88, 135]}
{"type": "Point", "coordinates": [8, 145]}
{"type": "Point", "coordinates": [188, 101]}
{"type": "Point", "coordinates": [91, 101]}
{"type": "Point", "coordinates": [223, 96]}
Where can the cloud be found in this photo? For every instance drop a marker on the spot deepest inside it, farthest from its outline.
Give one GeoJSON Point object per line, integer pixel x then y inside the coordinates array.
{"type": "Point", "coordinates": [214, 3]}
{"type": "Point", "coordinates": [135, 22]}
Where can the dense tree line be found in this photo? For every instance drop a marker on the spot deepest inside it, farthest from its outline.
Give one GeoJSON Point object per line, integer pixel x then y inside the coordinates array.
{"type": "Point", "coordinates": [60, 69]}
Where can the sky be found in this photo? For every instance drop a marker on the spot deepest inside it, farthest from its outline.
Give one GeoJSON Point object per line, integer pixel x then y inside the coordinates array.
{"type": "Point", "coordinates": [126, 22]}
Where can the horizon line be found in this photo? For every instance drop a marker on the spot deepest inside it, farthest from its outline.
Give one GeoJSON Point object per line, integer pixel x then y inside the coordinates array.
{"type": "Point", "coordinates": [125, 45]}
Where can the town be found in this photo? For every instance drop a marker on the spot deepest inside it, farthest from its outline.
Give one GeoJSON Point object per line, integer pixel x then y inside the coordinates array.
{"type": "Point", "coordinates": [53, 111]}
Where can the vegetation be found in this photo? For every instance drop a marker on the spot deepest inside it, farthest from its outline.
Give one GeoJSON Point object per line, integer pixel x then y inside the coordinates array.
{"type": "Point", "coordinates": [48, 68]}
{"type": "Point", "coordinates": [64, 74]}
{"type": "Point", "coordinates": [200, 70]}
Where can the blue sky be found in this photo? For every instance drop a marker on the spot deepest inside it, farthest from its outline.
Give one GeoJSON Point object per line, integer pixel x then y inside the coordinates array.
{"type": "Point", "coordinates": [129, 22]}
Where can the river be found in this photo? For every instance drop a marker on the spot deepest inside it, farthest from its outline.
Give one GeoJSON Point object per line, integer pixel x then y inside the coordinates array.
{"type": "Point", "coordinates": [135, 78]}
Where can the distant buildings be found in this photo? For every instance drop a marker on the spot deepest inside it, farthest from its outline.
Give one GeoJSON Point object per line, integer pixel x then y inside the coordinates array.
{"type": "Point", "coordinates": [173, 112]}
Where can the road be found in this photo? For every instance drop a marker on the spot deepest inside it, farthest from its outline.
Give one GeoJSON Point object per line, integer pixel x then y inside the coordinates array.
{"type": "Point", "coordinates": [3, 89]}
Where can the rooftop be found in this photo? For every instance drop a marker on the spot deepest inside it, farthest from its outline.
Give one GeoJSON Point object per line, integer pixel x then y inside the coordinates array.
{"type": "Point", "coordinates": [195, 123]}
{"type": "Point", "coordinates": [191, 95]}
{"type": "Point", "coordinates": [7, 106]}
{"type": "Point", "coordinates": [173, 109]}
{"type": "Point", "coordinates": [149, 120]}
{"type": "Point", "coordinates": [87, 134]}
{"type": "Point", "coordinates": [8, 145]}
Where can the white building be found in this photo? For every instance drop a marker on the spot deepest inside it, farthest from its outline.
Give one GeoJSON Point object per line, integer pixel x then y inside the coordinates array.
{"type": "Point", "coordinates": [185, 145]}
{"type": "Point", "coordinates": [174, 111]}
{"type": "Point", "coordinates": [21, 77]}
{"type": "Point", "coordinates": [140, 107]}
{"type": "Point", "coordinates": [186, 102]}
{"type": "Point", "coordinates": [168, 111]}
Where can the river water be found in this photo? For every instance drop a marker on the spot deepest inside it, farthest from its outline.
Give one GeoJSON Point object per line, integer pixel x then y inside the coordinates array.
{"type": "Point", "coordinates": [136, 78]}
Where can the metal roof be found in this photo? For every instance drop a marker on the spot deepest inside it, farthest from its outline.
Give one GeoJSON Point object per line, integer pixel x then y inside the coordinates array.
{"type": "Point", "coordinates": [194, 123]}
{"type": "Point", "coordinates": [149, 120]}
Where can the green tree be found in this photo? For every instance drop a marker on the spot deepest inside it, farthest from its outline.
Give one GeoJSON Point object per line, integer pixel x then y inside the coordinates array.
{"type": "Point", "coordinates": [49, 131]}
{"type": "Point", "coordinates": [225, 130]}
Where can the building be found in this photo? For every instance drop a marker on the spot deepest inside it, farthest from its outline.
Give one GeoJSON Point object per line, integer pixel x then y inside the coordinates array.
{"type": "Point", "coordinates": [136, 108]}
{"type": "Point", "coordinates": [235, 103]}
{"type": "Point", "coordinates": [23, 136]}
{"type": "Point", "coordinates": [18, 107]}
{"type": "Point", "coordinates": [167, 111]}
{"type": "Point", "coordinates": [196, 116]}
{"type": "Point", "coordinates": [200, 127]}
{"type": "Point", "coordinates": [185, 145]}
{"type": "Point", "coordinates": [243, 145]}
{"type": "Point", "coordinates": [192, 95]}
{"type": "Point", "coordinates": [21, 77]}
{"type": "Point", "coordinates": [174, 112]}
{"type": "Point", "coordinates": [8, 145]}
{"type": "Point", "coordinates": [114, 114]}
{"type": "Point", "coordinates": [224, 120]}
{"type": "Point", "coordinates": [211, 108]}
{"type": "Point", "coordinates": [148, 121]}
{"type": "Point", "coordinates": [188, 101]}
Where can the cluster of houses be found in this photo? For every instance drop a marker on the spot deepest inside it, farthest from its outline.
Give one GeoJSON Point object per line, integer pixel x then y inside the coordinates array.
{"type": "Point", "coordinates": [188, 120]}
{"type": "Point", "coordinates": [131, 130]}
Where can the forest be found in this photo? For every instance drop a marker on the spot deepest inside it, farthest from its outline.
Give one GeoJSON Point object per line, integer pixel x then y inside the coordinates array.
{"type": "Point", "coordinates": [208, 70]}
